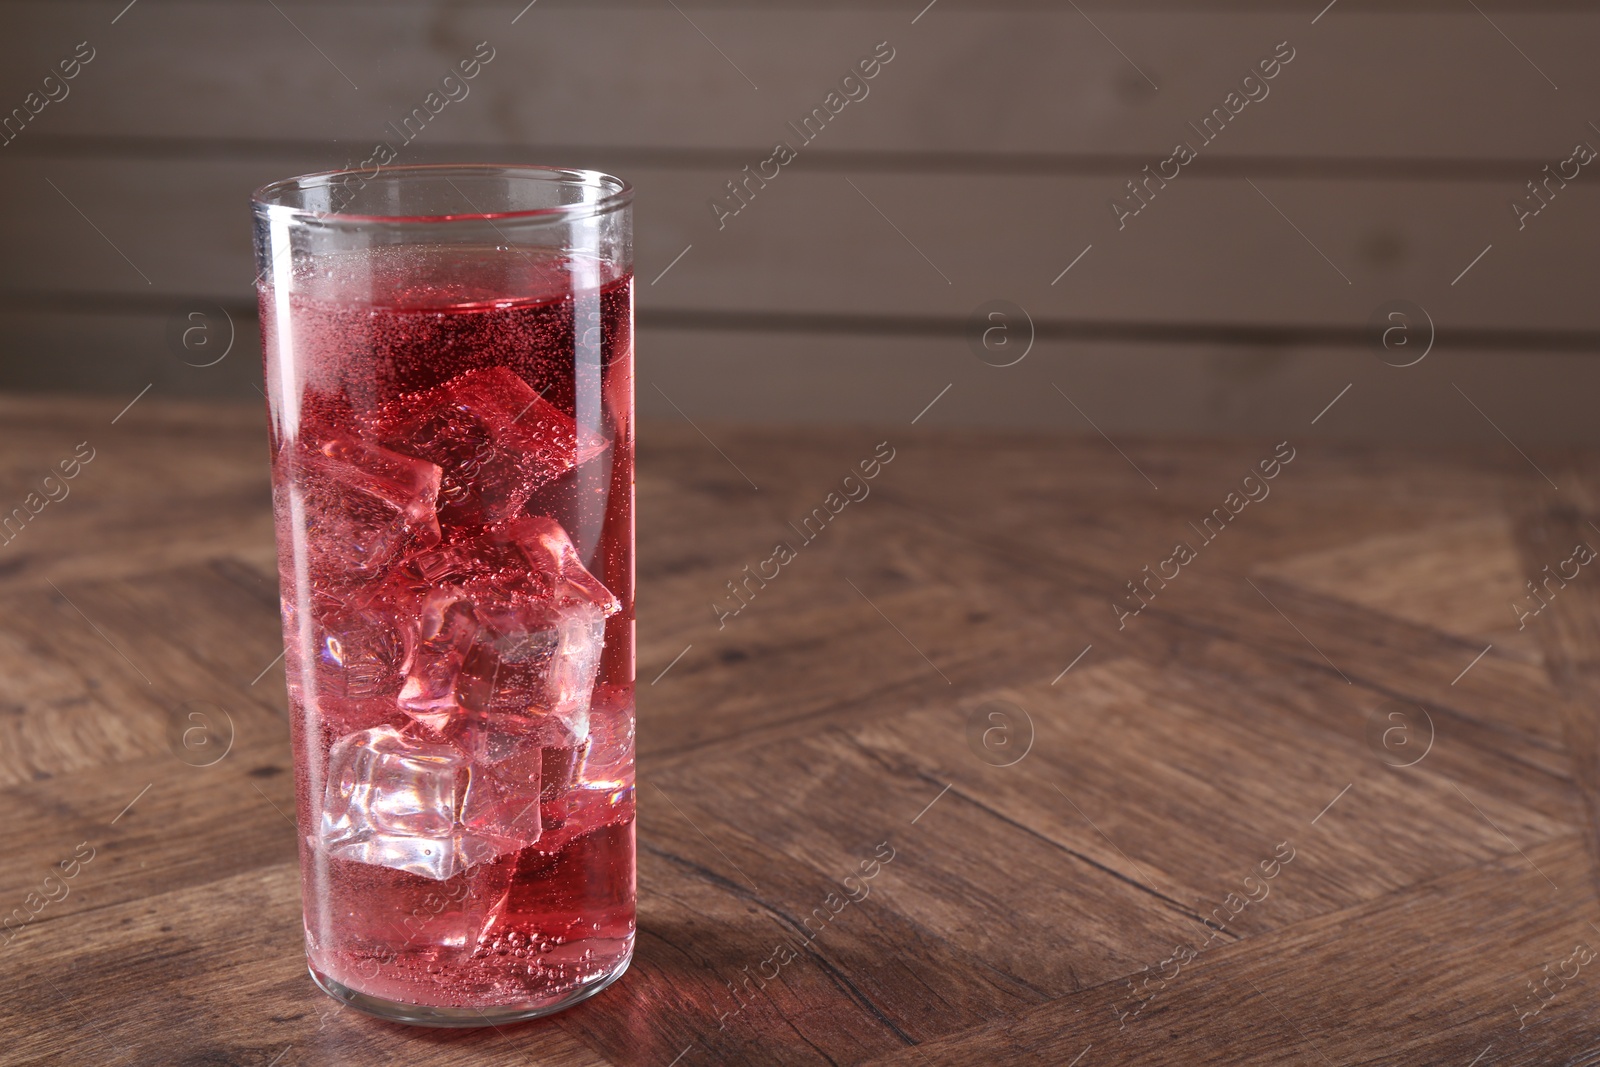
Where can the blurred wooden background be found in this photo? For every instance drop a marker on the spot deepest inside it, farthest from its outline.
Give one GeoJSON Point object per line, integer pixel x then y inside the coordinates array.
{"type": "Point", "coordinates": [978, 167]}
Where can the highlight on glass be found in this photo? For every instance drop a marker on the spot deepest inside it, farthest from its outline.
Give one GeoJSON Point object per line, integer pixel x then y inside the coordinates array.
{"type": "Point", "coordinates": [449, 369]}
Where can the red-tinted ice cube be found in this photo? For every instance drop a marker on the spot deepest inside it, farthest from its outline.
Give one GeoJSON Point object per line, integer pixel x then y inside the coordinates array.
{"type": "Point", "coordinates": [360, 649]}
{"type": "Point", "coordinates": [494, 437]}
{"type": "Point", "coordinates": [517, 659]}
{"type": "Point", "coordinates": [364, 506]}
{"type": "Point", "coordinates": [425, 806]}
{"type": "Point", "coordinates": [439, 639]}
{"type": "Point", "coordinates": [359, 652]}
{"type": "Point", "coordinates": [533, 670]}
{"type": "Point", "coordinates": [550, 562]}
{"type": "Point", "coordinates": [517, 633]}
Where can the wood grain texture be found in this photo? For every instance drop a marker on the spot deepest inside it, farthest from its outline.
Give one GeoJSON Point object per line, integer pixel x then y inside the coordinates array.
{"type": "Point", "coordinates": [1085, 903]}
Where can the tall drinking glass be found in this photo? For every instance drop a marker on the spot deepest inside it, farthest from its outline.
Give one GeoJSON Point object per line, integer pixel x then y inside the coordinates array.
{"type": "Point", "coordinates": [449, 368]}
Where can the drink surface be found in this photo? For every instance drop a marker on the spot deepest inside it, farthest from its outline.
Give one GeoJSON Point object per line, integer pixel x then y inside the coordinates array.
{"type": "Point", "coordinates": [453, 486]}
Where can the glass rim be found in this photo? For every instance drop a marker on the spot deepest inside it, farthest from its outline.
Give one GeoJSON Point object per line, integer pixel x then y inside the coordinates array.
{"type": "Point", "coordinates": [617, 192]}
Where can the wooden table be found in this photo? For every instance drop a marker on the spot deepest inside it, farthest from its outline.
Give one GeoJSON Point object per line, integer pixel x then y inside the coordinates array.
{"type": "Point", "coordinates": [1203, 847]}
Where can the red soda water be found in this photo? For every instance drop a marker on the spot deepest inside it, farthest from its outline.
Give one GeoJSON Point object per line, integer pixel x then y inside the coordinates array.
{"type": "Point", "coordinates": [453, 485]}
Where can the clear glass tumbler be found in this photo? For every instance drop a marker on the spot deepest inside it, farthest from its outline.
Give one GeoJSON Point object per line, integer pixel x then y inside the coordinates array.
{"type": "Point", "coordinates": [449, 368]}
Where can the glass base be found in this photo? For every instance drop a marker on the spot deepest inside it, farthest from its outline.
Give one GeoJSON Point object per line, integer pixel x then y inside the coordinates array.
{"type": "Point", "coordinates": [423, 1015]}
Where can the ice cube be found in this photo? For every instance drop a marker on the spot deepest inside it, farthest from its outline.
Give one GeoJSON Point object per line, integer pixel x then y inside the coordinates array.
{"type": "Point", "coordinates": [364, 506]}
{"type": "Point", "coordinates": [611, 734]}
{"type": "Point", "coordinates": [519, 659]}
{"type": "Point", "coordinates": [439, 639]}
{"type": "Point", "coordinates": [518, 633]}
{"type": "Point", "coordinates": [553, 567]}
{"type": "Point", "coordinates": [494, 437]}
{"type": "Point", "coordinates": [425, 806]}
{"type": "Point", "coordinates": [534, 667]}
{"type": "Point", "coordinates": [440, 565]}
{"type": "Point", "coordinates": [360, 648]}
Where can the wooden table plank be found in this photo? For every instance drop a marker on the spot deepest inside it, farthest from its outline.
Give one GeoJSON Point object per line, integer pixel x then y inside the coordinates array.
{"type": "Point", "coordinates": [1564, 616]}
{"type": "Point", "coordinates": [1409, 978]}
{"type": "Point", "coordinates": [222, 980]}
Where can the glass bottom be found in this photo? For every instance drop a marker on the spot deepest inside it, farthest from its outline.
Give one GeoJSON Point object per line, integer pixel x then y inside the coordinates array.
{"type": "Point", "coordinates": [423, 1015]}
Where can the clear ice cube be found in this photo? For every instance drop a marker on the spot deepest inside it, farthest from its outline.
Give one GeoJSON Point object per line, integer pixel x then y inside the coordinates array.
{"type": "Point", "coordinates": [425, 806]}
{"type": "Point", "coordinates": [494, 437]}
{"type": "Point", "coordinates": [364, 506]}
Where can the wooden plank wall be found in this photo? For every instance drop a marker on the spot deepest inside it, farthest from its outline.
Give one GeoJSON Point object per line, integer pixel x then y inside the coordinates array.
{"type": "Point", "coordinates": [1378, 164]}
